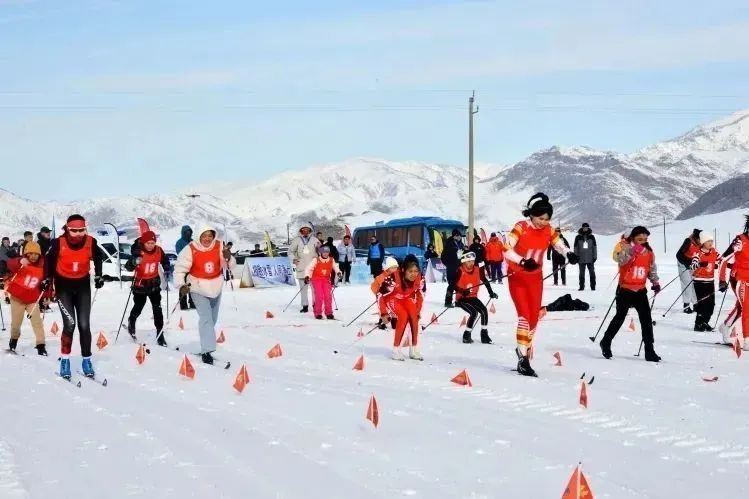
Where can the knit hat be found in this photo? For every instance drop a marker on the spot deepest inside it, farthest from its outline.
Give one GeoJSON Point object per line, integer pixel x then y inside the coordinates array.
{"type": "Point", "coordinates": [538, 205]}
{"type": "Point", "coordinates": [32, 247]}
{"type": "Point", "coordinates": [148, 236]}
{"type": "Point", "coordinates": [705, 236]}
{"type": "Point", "coordinates": [637, 231]}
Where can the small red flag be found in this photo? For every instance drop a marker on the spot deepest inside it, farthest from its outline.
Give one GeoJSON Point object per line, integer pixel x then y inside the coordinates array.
{"type": "Point", "coordinates": [346, 230]}
{"type": "Point", "coordinates": [275, 351]}
{"type": "Point", "coordinates": [464, 322]}
{"type": "Point", "coordinates": [359, 366]}
{"type": "Point", "coordinates": [269, 315]}
{"type": "Point", "coordinates": [360, 334]}
{"type": "Point", "coordinates": [493, 309]}
{"type": "Point", "coordinates": [584, 394]}
{"type": "Point", "coordinates": [577, 487]}
{"type": "Point", "coordinates": [101, 341]}
{"type": "Point", "coordinates": [221, 338]}
{"type": "Point", "coordinates": [737, 348]}
{"type": "Point", "coordinates": [55, 328]}
{"type": "Point", "coordinates": [143, 226]}
{"type": "Point", "coordinates": [186, 369]}
{"type": "Point", "coordinates": [434, 318]}
{"type": "Point", "coordinates": [373, 412]}
{"type": "Point", "coordinates": [558, 358]}
{"type": "Point", "coordinates": [483, 236]}
{"type": "Point", "coordinates": [242, 379]}
{"type": "Point", "coordinates": [462, 379]}
{"type": "Point", "coordinates": [140, 355]}
{"type": "Point", "coordinates": [632, 324]}
{"type": "Point", "coordinates": [733, 333]}
{"type": "Point", "coordinates": [181, 324]}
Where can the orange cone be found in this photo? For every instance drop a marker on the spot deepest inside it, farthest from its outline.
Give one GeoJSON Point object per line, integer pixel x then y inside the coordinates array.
{"type": "Point", "coordinates": [140, 355]}
{"type": "Point", "coordinates": [242, 379]}
{"type": "Point", "coordinates": [733, 333]}
{"type": "Point", "coordinates": [181, 324]}
{"type": "Point", "coordinates": [269, 315]}
{"type": "Point", "coordinates": [584, 395]}
{"type": "Point", "coordinates": [101, 341]}
{"type": "Point", "coordinates": [221, 338]}
{"type": "Point", "coordinates": [464, 322]}
{"type": "Point", "coordinates": [434, 318]}
{"type": "Point", "coordinates": [462, 379]}
{"type": "Point", "coordinates": [493, 309]}
{"type": "Point", "coordinates": [55, 328]}
{"type": "Point", "coordinates": [373, 413]}
{"type": "Point", "coordinates": [186, 369]}
{"type": "Point", "coordinates": [577, 487]}
{"type": "Point", "coordinates": [632, 324]}
{"type": "Point", "coordinates": [275, 351]}
{"type": "Point", "coordinates": [558, 358]}
{"type": "Point", "coordinates": [359, 366]}
{"type": "Point", "coordinates": [737, 348]}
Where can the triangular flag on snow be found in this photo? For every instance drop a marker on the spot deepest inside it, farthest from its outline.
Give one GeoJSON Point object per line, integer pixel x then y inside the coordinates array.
{"type": "Point", "coordinates": [269, 315]}
{"type": "Point", "coordinates": [241, 380]}
{"type": "Point", "coordinates": [359, 366]}
{"type": "Point", "coordinates": [55, 328]}
{"type": "Point", "coordinates": [360, 334]}
{"type": "Point", "coordinates": [558, 358]}
{"type": "Point", "coordinates": [737, 347]}
{"type": "Point", "coordinates": [346, 230]}
{"type": "Point", "coordinates": [373, 413]}
{"type": "Point", "coordinates": [221, 338]}
{"type": "Point", "coordinates": [245, 374]}
{"type": "Point", "coordinates": [275, 351]}
{"type": "Point", "coordinates": [584, 394]}
{"type": "Point", "coordinates": [632, 324]}
{"type": "Point", "coordinates": [186, 369]}
{"type": "Point", "coordinates": [101, 341]}
{"type": "Point", "coordinates": [733, 333]}
{"type": "Point", "coordinates": [464, 322]}
{"type": "Point", "coordinates": [493, 309]}
{"type": "Point", "coordinates": [140, 355]}
{"type": "Point", "coordinates": [434, 318]}
{"type": "Point", "coordinates": [577, 487]}
{"type": "Point", "coordinates": [462, 379]}
{"type": "Point", "coordinates": [181, 324]}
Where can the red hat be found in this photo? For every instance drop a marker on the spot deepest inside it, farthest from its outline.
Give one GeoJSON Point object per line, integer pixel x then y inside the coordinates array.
{"type": "Point", "coordinates": [148, 236]}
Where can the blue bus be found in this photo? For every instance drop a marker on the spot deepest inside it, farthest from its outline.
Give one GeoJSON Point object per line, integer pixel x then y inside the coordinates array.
{"type": "Point", "coordinates": [406, 235]}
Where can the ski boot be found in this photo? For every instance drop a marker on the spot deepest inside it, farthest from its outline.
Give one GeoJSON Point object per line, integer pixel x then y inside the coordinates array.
{"type": "Point", "coordinates": [524, 365]}
{"type": "Point", "coordinates": [207, 358]}
{"type": "Point", "coordinates": [606, 349]}
{"type": "Point", "coordinates": [485, 339]}
{"type": "Point", "coordinates": [688, 309]}
{"type": "Point", "coordinates": [414, 353]}
{"type": "Point", "coordinates": [131, 328]}
{"type": "Point", "coordinates": [381, 325]}
{"type": "Point", "coordinates": [12, 344]}
{"type": "Point", "coordinates": [467, 337]}
{"type": "Point", "coordinates": [65, 368]}
{"type": "Point", "coordinates": [41, 349]}
{"type": "Point", "coordinates": [318, 317]}
{"type": "Point", "coordinates": [449, 302]}
{"type": "Point", "coordinates": [304, 310]}
{"type": "Point", "coordinates": [88, 367]}
{"type": "Point", "coordinates": [397, 354]}
{"type": "Point", "coordinates": [330, 317]}
{"type": "Point", "coordinates": [650, 354]}
{"type": "Point", "coordinates": [160, 340]}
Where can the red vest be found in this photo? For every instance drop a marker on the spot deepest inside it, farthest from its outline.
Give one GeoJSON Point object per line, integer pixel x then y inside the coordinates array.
{"type": "Point", "coordinates": [148, 268]}
{"type": "Point", "coordinates": [470, 281]}
{"type": "Point", "coordinates": [532, 244]}
{"type": "Point", "coordinates": [411, 292]}
{"type": "Point", "coordinates": [323, 269]}
{"type": "Point", "coordinates": [634, 275]}
{"type": "Point", "coordinates": [74, 263]}
{"type": "Point", "coordinates": [692, 250]}
{"type": "Point", "coordinates": [206, 264]}
{"type": "Point", "coordinates": [24, 285]}
{"type": "Point", "coordinates": [706, 273]}
{"type": "Point", "coordinates": [741, 258]}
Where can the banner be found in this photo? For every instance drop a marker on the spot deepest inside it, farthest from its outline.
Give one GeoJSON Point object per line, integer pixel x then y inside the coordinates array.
{"type": "Point", "coordinates": [438, 245]}
{"type": "Point", "coordinates": [435, 271]}
{"type": "Point", "coordinates": [269, 271]}
{"type": "Point", "coordinates": [142, 227]}
{"type": "Point", "coordinates": [269, 250]}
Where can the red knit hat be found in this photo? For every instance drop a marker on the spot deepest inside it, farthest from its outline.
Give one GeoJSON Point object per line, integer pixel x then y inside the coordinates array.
{"type": "Point", "coordinates": [148, 236]}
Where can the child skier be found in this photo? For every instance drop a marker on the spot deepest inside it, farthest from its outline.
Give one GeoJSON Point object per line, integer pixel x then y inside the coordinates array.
{"type": "Point", "coordinates": [319, 273]}
{"type": "Point", "coordinates": [636, 266]}
{"type": "Point", "coordinates": [382, 286]}
{"type": "Point", "coordinates": [25, 289]}
{"type": "Point", "coordinates": [524, 252]}
{"type": "Point", "coordinates": [470, 279]}
{"type": "Point", "coordinates": [405, 301]}
{"type": "Point", "coordinates": [703, 267]}
{"type": "Point", "coordinates": [740, 270]}
{"type": "Point", "coordinates": [145, 260]}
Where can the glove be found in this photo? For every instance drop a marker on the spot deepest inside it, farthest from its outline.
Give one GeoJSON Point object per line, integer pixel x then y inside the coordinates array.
{"type": "Point", "coordinates": [7, 300]}
{"type": "Point", "coordinates": [184, 290]}
{"type": "Point", "coordinates": [638, 249]}
{"type": "Point", "coordinates": [493, 295]}
{"type": "Point", "coordinates": [572, 258]}
{"type": "Point", "coordinates": [723, 286]}
{"type": "Point", "coordinates": [340, 275]}
{"type": "Point", "coordinates": [529, 264]}
{"type": "Point", "coordinates": [98, 282]}
{"type": "Point", "coordinates": [694, 265]}
{"type": "Point", "coordinates": [44, 285]}
{"type": "Point", "coordinates": [306, 279]}
{"type": "Point", "coordinates": [656, 287]}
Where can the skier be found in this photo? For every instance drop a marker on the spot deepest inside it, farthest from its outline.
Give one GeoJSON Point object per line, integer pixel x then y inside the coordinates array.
{"type": "Point", "coordinates": [451, 254]}
{"type": "Point", "coordinates": [144, 262]}
{"type": "Point", "coordinates": [406, 300]}
{"type": "Point", "coordinates": [319, 273]}
{"type": "Point", "coordinates": [636, 266]}
{"type": "Point", "coordinates": [185, 301]}
{"type": "Point", "coordinates": [198, 271]}
{"type": "Point", "coordinates": [684, 255]}
{"type": "Point", "coordinates": [558, 261]}
{"type": "Point", "coordinates": [25, 288]}
{"type": "Point", "coordinates": [740, 270]}
{"type": "Point", "coordinates": [734, 315]}
{"type": "Point", "coordinates": [703, 267]}
{"type": "Point", "coordinates": [494, 258]}
{"type": "Point", "coordinates": [382, 286]}
{"type": "Point", "coordinates": [471, 276]}
{"type": "Point", "coordinates": [524, 251]}
{"type": "Point", "coordinates": [67, 266]}
{"type": "Point", "coordinates": [302, 252]}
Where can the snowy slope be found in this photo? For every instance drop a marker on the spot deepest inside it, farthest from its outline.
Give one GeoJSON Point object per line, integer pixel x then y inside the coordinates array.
{"type": "Point", "coordinates": [733, 193]}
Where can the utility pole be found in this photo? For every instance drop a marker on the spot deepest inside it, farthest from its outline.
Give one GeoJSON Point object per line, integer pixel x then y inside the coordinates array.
{"type": "Point", "coordinates": [471, 220]}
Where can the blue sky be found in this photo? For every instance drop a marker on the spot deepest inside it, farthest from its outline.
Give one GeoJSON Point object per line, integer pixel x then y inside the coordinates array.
{"type": "Point", "coordinates": [132, 96]}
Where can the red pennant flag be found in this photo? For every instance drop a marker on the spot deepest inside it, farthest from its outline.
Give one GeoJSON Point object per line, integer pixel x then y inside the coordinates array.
{"type": "Point", "coordinates": [346, 230]}
{"type": "Point", "coordinates": [359, 366]}
{"type": "Point", "coordinates": [221, 338]}
{"type": "Point", "coordinates": [360, 334]}
{"type": "Point", "coordinates": [584, 394]}
{"type": "Point", "coordinates": [373, 413]}
{"type": "Point", "coordinates": [462, 379]}
{"type": "Point", "coordinates": [143, 226]}
{"type": "Point", "coordinates": [241, 380]}
{"type": "Point", "coordinates": [140, 355]}
{"type": "Point", "coordinates": [101, 341]}
{"type": "Point", "coordinates": [269, 315]}
{"type": "Point", "coordinates": [733, 333]}
{"type": "Point", "coordinates": [493, 309]}
{"type": "Point", "coordinates": [483, 236]}
{"type": "Point", "coordinates": [181, 324]}
{"type": "Point", "coordinates": [246, 374]}
{"type": "Point", "coordinates": [542, 313]}
{"type": "Point", "coordinates": [434, 318]}
{"type": "Point", "coordinates": [558, 358]}
{"type": "Point", "coordinates": [577, 487]}
{"type": "Point", "coordinates": [275, 351]}
{"type": "Point", "coordinates": [55, 328]}
{"type": "Point", "coordinates": [632, 324]}
{"type": "Point", "coordinates": [710, 380]}
{"type": "Point", "coordinates": [464, 322]}
{"type": "Point", "coordinates": [737, 348]}
{"type": "Point", "coordinates": [186, 369]}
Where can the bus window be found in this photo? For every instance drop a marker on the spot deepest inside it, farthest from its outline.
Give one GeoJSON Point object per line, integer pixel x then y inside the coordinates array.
{"type": "Point", "coordinates": [415, 236]}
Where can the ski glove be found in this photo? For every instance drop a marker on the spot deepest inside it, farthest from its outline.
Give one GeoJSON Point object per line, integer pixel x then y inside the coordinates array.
{"type": "Point", "coordinates": [638, 249]}
{"type": "Point", "coordinates": [656, 287]}
{"type": "Point", "coordinates": [529, 264]}
{"type": "Point", "coordinates": [98, 282]}
{"type": "Point", "coordinates": [722, 286]}
{"type": "Point", "coordinates": [493, 295]}
{"type": "Point", "coordinates": [572, 258]}
{"type": "Point", "coordinates": [306, 280]}
{"type": "Point", "coordinates": [184, 290]}
{"type": "Point", "coordinates": [44, 285]}
{"type": "Point", "coordinates": [465, 293]}
{"type": "Point", "coordinates": [695, 264]}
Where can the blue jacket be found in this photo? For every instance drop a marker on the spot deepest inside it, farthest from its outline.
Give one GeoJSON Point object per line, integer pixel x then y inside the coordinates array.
{"type": "Point", "coordinates": [372, 256]}
{"type": "Point", "coordinates": [185, 239]}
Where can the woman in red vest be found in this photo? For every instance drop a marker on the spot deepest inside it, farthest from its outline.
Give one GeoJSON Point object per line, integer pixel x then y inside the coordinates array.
{"type": "Point", "coordinates": [319, 273]}
{"type": "Point", "coordinates": [68, 265]}
{"type": "Point", "coordinates": [405, 301]}
{"type": "Point", "coordinates": [144, 262]}
{"type": "Point", "coordinates": [199, 271]}
{"type": "Point", "coordinates": [740, 272]}
{"type": "Point", "coordinates": [25, 288]}
{"type": "Point", "coordinates": [704, 265]}
{"type": "Point", "coordinates": [636, 266]}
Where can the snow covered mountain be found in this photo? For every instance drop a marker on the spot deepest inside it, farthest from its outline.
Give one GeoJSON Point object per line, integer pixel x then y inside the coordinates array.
{"type": "Point", "coordinates": [729, 195]}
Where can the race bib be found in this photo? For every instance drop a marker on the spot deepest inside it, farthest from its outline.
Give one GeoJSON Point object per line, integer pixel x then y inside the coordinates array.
{"type": "Point", "coordinates": [585, 245]}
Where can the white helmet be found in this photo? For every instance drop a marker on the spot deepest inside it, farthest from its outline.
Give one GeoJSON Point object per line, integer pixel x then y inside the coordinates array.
{"type": "Point", "coordinates": [390, 263]}
{"type": "Point", "coordinates": [468, 257]}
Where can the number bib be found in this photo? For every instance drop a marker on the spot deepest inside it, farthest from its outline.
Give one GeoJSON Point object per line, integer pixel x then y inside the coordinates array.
{"type": "Point", "coordinates": [206, 264]}
{"type": "Point", "coordinates": [74, 263]}
{"type": "Point", "coordinates": [24, 286]}
{"type": "Point", "coordinates": [148, 268]}
{"type": "Point", "coordinates": [634, 275]}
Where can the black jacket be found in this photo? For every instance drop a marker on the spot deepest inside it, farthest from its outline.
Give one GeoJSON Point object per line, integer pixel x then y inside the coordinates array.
{"type": "Point", "coordinates": [429, 254]}
{"type": "Point", "coordinates": [681, 255]}
{"type": "Point", "coordinates": [555, 256]}
{"type": "Point", "coordinates": [450, 252]}
{"type": "Point", "coordinates": [44, 243]}
{"type": "Point", "coordinates": [333, 250]}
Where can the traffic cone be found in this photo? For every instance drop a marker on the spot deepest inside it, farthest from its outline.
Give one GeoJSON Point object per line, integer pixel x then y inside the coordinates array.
{"type": "Point", "coordinates": [584, 394]}
{"type": "Point", "coordinates": [101, 341]}
{"type": "Point", "coordinates": [242, 379]}
{"type": "Point", "coordinates": [558, 358]}
{"type": "Point", "coordinates": [359, 366]}
{"type": "Point", "coordinates": [493, 309]}
{"type": "Point", "coordinates": [275, 351]}
{"type": "Point", "coordinates": [269, 315]}
{"type": "Point", "coordinates": [360, 334]}
{"type": "Point", "coordinates": [140, 355]}
{"type": "Point", "coordinates": [434, 318]}
{"type": "Point", "coordinates": [462, 379]}
{"type": "Point", "coordinates": [186, 369]}
{"type": "Point", "coordinates": [577, 487]}
{"type": "Point", "coordinates": [373, 412]}
{"type": "Point", "coordinates": [54, 329]}
{"type": "Point", "coordinates": [737, 348]}
{"type": "Point", "coordinates": [181, 324]}
{"type": "Point", "coordinates": [464, 322]}
{"type": "Point", "coordinates": [221, 338]}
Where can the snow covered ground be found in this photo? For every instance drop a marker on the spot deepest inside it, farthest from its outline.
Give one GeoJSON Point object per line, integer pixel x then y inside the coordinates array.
{"type": "Point", "coordinates": [299, 428]}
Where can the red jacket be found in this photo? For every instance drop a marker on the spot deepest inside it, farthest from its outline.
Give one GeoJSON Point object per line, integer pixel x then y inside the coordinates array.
{"type": "Point", "coordinates": [494, 250]}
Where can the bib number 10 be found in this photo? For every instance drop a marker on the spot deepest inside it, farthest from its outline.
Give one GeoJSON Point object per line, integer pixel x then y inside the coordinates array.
{"type": "Point", "coordinates": [639, 272]}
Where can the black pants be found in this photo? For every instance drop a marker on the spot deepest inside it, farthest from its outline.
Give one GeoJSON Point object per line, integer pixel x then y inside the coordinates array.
{"type": "Point", "coordinates": [346, 271]}
{"type": "Point", "coordinates": [74, 299]}
{"type": "Point", "coordinates": [495, 271]}
{"type": "Point", "coordinates": [375, 267]}
{"type": "Point", "coordinates": [705, 306]}
{"type": "Point", "coordinates": [592, 271]}
{"type": "Point", "coordinates": [185, 302]}
{"type": "Point", "coordinates": [626, 299]}
{"type": "Point", "coordinates": [139, 301]}
{"type": "Point", "coordinates": [559, 267]}
{"type": "Point", "coordinates": [452, 276]}
{"type": "Point", "coordinates": [474, 307]}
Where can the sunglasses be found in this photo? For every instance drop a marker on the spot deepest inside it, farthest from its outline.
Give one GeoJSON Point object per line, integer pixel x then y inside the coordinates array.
{"type": "Point", "coordinates": [77, 231]}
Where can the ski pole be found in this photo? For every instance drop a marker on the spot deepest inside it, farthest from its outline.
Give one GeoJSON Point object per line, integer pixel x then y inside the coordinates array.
{"type": "Point", "coordinates": [36, 305]}
{"type": "Point", "coordinates": [593, 338]}
{"type": "Point", "coordinates": [717, 317]}
{"type": "Point", "coordinates": [363, 312]}
{"type": "Point", "coordinates": [334, 302]}
{"type": "Point", "coordinates": [127, 302]}
{"type": "Point", "coordinates": [2, 317]}
{"type": "Point", "coordinates": [435, 319]}
{"type": "Point", "coordinates": [297, 294]}
{"type": "Point", "coordinates": [168, 321]}
{"type": "Point", "coordinates": [167, 297]}
{"type": "Point", "coordinates": [642, 342]}
{"type": "Point", "coordinates": [677, 298]}
{"type": "Point", "coordinates": [558, 270]}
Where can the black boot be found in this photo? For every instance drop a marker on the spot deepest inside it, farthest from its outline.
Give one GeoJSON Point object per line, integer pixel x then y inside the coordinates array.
{"type": "Point", "coordinates": [582, 288]}
{"type": "Point", "coordinates": [485, 337]}
{"type": "Point", "coordinates": [467, 336]}
{"type": "Point", "coordinates": [41, 350]}
{"type": "Point", "coordinates": [524, 365]}
{"type": "Point", "coordinates": [688, 309]}
{"type": "Point", "coordinates": [650, 354]}
{"type": "Point", "coordinates": [207, 358]}
{"type": "Point", "coordinates": [160, 340]}
{"type": "Point", "coordinates": [12, 344]}
{"type": "Point", "coordinates": [707, 328]}
{"type": "Point", "coordinates": [330, 317]}
{"type": "Point", "coordinates": [381, 325]}
{"type": "Point", "coordinates": [131, 327]}
{"type": "Point", "coordinates": [304, 309]}
{"type": "Point", "coordinates": [449, 303]}
{"type": "Point", "coordinates": [393, 323]}
{"type": "Point", "coordinates": [606, 348]}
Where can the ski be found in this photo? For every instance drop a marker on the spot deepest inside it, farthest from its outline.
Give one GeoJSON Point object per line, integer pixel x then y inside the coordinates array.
{"type": "Point", "coordinates": [102, 382]}
{"type": "Point", "coordinates": [69, 380]}
{"type": "Point", "coordinates": [717, 343]}
{"type": "Point", "coordinates": [13, 352]}
{"type": "Point", "coordinates": [217, 362]}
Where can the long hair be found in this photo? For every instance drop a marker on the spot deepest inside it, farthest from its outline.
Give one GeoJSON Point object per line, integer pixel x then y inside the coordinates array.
{"type": "Point", "coordinates": [746, 224]}
{"type": "Point", "coordinates": [407, 265]}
